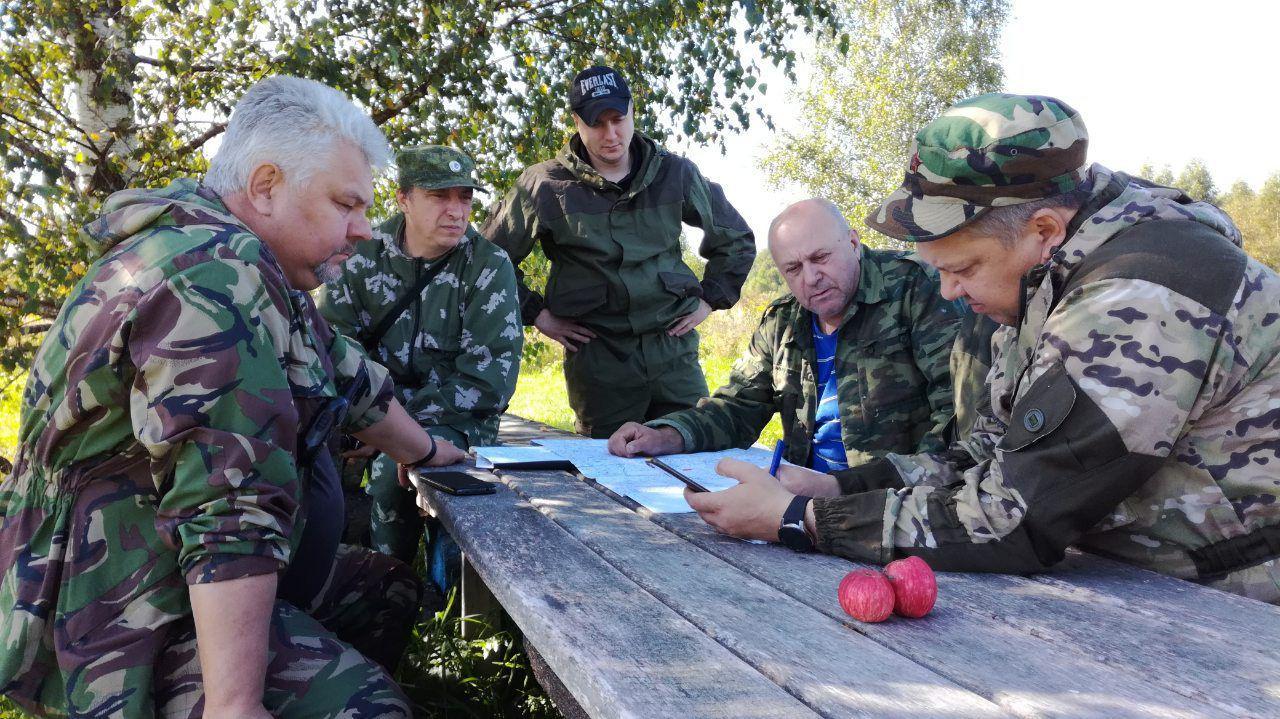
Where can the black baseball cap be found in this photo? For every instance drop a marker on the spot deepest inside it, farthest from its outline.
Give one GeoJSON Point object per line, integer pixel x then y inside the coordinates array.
{"type": "Point", "coordinates": [596, 89]}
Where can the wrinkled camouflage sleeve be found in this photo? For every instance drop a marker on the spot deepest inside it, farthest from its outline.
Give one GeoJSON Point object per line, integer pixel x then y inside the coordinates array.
{"type": "Point", "coordinates": [485, 371]}
{"type": "Point", "coordinates": [933, 332]}
{"type": "Point", "coordinates": [353, 365]}
{"type": "Point", "coordinates": [513, 225]}
{"type": "Point", "coordinates": [736, 413]}
{"type": "Point", "coordinates": [373, 394]}
{"type": "Point", "coordinates": [970, 365]}
{"type": "Point", "coordinates": [212, 405]}
{"type": "Point", "coordinates": [728, 244]}
{"type": "Point", "coordinates": [1108, 394]}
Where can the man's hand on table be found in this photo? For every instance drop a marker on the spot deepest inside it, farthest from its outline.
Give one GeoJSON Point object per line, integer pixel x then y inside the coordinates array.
{"type": "Point", "coordinates": [751, 510]}
{"type": "Point", "coordinates": [446, 454]}
{"type": "Point", "coordinates": [636, 440]}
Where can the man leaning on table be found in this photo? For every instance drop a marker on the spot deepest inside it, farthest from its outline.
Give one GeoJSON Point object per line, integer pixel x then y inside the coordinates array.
{"type": "Point", "coordinates": [1133, 387]}
{"type": "Point", "coordinates": [855, 358]}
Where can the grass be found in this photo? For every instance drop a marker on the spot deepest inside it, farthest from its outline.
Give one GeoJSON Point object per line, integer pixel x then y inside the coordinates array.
{"type": "Point", "coordinates": [444, 674]}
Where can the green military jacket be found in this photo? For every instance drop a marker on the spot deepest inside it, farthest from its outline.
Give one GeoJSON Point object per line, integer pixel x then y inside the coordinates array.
{"type": "Point", "coordinates": [455, 352]}
{"type": "Point", "coordinates": [615, 252]}
{"type": "Point", "coordinates": [1133, 411]}
{"type": "Point", "coordinates": [157, 446]}
{"type": "Point", "coordinates": [892, 353]}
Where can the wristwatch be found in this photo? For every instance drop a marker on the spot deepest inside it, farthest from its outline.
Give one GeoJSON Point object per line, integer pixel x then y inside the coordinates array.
{"type": "Point", "coordinates": [792, 533]}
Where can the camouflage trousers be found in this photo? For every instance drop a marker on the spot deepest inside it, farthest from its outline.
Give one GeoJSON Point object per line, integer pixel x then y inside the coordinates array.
{"type": "Point", "coordinates": [331, 660]}
{"type": "Point", "coordinates": [396, 526]}
{"type": "Point", "coordinates": [617, 379]}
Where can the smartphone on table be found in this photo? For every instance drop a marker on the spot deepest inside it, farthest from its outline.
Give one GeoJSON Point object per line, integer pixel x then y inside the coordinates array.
{"type": "Point", "coordinates": [690, 482]}
{"type": "Point", "coordinates": [456, 483]}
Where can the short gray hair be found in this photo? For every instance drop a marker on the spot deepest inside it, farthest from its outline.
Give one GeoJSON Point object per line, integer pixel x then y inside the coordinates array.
{"type": "Point", "coordinates": [292, 123]}
{"type": "Point", "coordinates": [830, 207]}
{"type": "Point", "coordinates": [1005, 222]}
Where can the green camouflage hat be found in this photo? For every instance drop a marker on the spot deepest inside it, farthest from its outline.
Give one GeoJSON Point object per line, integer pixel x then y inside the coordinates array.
{"type": "Point", "coordinates": [434, 167]}
{"type": "Point", "coordinates": [984, 152]}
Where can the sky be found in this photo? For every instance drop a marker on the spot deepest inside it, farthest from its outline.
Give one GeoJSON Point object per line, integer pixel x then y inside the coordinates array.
{"type": "Point", "coordinates": [1160, 82]}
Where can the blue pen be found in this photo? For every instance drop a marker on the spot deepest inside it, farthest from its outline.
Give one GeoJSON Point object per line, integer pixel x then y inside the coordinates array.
{"type": "Point", "coordinates": [778, 449]}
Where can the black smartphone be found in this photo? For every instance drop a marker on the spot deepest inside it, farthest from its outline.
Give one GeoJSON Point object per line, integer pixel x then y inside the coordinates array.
{"type": "Point", "coordinates": [457, 483]}
{"type": "Point", "coordinates": [690, 482]}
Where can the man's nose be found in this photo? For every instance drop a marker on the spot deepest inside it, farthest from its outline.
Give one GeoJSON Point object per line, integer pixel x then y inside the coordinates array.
{"type": "Point", "coordinates": [950, 289]}
{"type": "Point", "coordinates": [359, 229]}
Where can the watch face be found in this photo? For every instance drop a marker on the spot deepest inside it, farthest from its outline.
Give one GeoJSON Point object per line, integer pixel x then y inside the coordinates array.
{"type": "Point", "coordinates": [794, 537]}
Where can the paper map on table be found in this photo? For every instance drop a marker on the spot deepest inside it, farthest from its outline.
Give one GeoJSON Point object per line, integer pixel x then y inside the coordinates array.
{"type": "Point", "coordinates": [644, 483]}
{"type": "Point", "coordinates": [516, 457]}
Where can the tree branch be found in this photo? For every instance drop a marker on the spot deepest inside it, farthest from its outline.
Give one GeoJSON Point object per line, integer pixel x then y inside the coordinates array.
{"type": "Point", "coordinates": [170, 65]}
{"type": "Point", "coordinates": [43, 157]}
{"type": "Point", "coordinates": [197, 142]}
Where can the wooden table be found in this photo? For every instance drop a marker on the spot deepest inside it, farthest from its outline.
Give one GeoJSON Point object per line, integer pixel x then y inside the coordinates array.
{"type": "Point", "coordinates": [644, 615]}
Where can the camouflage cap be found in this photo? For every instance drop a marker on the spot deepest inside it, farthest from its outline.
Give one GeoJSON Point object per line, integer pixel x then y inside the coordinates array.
{"type": "Point", "coordinates": [433, 167]}
{"type": "Point", "coordinates": [984, 152]}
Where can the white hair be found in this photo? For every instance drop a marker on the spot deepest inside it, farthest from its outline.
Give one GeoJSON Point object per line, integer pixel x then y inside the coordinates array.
{"type": "Point", "coordinates": [292, 123]}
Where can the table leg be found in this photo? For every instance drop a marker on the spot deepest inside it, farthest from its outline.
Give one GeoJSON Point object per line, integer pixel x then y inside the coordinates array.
{"type": "Point", "coordinates": [478, 604]}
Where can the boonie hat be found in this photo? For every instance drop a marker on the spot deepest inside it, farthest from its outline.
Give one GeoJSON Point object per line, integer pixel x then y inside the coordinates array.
{"type": "Point", "coordinates": [434, 167]}
{"type": "Point", "coordinates": [988, 151]}
{"type": "Point", "coordinates": [596, 89]}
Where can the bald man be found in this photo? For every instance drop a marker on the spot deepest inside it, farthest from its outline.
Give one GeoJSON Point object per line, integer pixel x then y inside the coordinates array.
{"type": "Point", "coordinates": [855, 358]}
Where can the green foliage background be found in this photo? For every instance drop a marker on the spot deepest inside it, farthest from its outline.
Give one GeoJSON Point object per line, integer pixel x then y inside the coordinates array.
{"type": "Point", "coordinates": [97, 95]}
{"type": "Point", "coordinates": [893, 67]}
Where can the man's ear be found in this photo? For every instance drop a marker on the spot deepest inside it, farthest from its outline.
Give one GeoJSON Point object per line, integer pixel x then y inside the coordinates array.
{"type": "Point", "coordinates": [402, 200]}
{"type": "Point", "coordinates": [853, 237]}
{"type": "Point", "coordinates": [1050, 230]}
{"type": "Point", "coordinates": [265, 183]}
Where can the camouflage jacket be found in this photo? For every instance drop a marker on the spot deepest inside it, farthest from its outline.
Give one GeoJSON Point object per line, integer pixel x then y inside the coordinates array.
{"type": "Point", "coordinates": [892, 354]}
{"type": "Point", "coordinates": [455, 352]}
{"type": "Point", "coordinates": [1133, 410]}
{"type": "Point", "coordinates": [157, 446]}
{"type": "Point", "coordinates": [615, 253]}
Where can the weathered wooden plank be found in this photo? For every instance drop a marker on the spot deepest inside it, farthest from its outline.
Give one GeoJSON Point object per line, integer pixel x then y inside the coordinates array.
{"type": "Point", "coordinates": [568, 603]}
{"type": "Point", "coordinates": [837, 673]}
{"type": "Point", "coordinates": [1195, 642]}
{"type": "Point", "coordinates": [966, 638]}
{"type": "Point", "coordinates": [1244, 623]}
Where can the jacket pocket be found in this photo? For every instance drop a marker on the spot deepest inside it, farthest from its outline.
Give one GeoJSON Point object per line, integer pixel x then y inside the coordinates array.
{"type": "Point", "coordinates": [681, 284]}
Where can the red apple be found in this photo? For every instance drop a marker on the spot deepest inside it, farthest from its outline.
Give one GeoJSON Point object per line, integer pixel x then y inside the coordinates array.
{"type": "Point", "coordinates": [866, 595]}
{"type": "Point", "coordinates": [914, 587]}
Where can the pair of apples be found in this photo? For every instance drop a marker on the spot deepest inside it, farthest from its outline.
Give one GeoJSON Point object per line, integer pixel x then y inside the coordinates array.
{"type": "Point", "coordinates": [907, 587]}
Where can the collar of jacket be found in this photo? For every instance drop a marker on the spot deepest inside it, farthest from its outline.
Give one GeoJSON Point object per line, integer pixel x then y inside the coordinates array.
{"type": "Point", "coordinates": [650, 161]}
{"type": "Point", "coordinates": [390, 236]}
{"type": "Point", "coordinates": [128, 212]}
{"type": "Point", "coordinates": [872, 289]}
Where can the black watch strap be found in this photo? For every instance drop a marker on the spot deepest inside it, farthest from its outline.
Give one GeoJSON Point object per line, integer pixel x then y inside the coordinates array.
{"type": "Point", "coordinates": [792, 533]}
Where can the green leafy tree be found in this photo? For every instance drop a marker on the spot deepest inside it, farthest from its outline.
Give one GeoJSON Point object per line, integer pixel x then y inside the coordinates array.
{"type": "Point", "coordinates": [1162, 175]}
{"type": "Point", "coordinates": [97, 95]}
{"type": "Point", "coordinates": [1257, 214]}
{"type": "Point", "coordinates": [890, 68]}
{"type": "Point", "coordinates": [1196, 181]}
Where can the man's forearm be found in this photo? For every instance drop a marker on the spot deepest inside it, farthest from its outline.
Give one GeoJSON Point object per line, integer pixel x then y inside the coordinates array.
{"type": "Point", "coordinates": [397, 435]}
{"type": "Point", "coordinates": [233, 621]}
